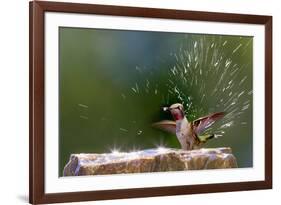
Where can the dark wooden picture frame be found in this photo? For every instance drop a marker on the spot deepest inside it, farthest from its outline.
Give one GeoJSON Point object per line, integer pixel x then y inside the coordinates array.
{"type": "Point", "coordinates": [37, 96]}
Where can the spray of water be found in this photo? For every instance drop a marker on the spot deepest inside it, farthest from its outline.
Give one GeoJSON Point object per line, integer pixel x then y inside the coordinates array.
{"type": "Point", "coordinates": [208, 76]}
{"type": "Point", "coordinates": [214, 79]}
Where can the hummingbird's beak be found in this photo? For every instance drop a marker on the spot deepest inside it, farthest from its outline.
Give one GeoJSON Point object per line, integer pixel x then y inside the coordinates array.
{"type": "Point", "coordinates": [165, 108]}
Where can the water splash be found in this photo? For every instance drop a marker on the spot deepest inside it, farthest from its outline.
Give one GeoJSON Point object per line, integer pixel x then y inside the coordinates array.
{"type": "Point", "coordinates": [207, 76]}
{"type": "Point", "coordinates": [207, 61]}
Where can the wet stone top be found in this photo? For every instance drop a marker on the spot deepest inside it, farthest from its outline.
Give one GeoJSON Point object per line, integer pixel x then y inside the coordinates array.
{"type": "Point", "coordinates": [149, 160]}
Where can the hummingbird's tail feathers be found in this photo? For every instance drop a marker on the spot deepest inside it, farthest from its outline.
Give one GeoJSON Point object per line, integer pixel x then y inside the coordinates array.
{"type": "Point", "coordinates": [205, 138]}
{"type": "Point", "coordinates": [166, 125]}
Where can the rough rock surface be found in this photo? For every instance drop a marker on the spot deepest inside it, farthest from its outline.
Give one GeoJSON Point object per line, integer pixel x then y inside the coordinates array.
{"type": "Point", "coordinates": [150, 160]}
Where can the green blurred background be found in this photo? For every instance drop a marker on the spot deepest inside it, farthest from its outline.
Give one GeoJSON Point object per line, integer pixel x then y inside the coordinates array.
{"type": "Point", "coordinates": [113, 84]}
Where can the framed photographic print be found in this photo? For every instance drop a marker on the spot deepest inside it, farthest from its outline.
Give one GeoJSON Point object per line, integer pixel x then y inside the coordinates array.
{"type": "Point", "coordinates": [137, 102]}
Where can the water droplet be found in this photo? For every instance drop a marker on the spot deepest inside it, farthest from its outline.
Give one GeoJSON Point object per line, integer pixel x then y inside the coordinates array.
{"type": "Point", "coordinates": [195, 44]}
{"type": "Point", "coordinates": [84, 117]}
{"type": "Point", "coordinates": [240, 94]}
{"type": "Point", "coordinates": [123, 129]}
{"type": "Point", "coordinates": [83, 106]}
{"type": "Point", "coordinates": [243, 80]}
{"type": "Point", "coordinates": [227, 124]}
{"type": "Point", "coordinates": [123, 96]}
{"type": "Point", "coordinates": [245, 107]}
{"type": "Point", "coordinates": [237, 48]}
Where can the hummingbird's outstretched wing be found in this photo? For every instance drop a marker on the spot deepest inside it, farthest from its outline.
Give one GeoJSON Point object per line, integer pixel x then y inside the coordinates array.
{"type": "Point", "coordinates": [203, 123]}
{"type": "Point", "coordinates": [166, 125]}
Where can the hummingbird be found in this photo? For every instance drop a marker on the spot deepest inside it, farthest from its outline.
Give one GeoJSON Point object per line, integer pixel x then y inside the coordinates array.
{"type": "Point", "coordinates": [188, 133]}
